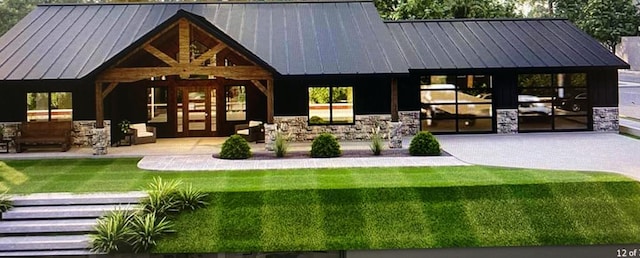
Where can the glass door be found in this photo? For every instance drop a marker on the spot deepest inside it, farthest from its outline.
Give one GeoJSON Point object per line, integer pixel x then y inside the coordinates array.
{"type": "Point", "coordinates": [196, 111]}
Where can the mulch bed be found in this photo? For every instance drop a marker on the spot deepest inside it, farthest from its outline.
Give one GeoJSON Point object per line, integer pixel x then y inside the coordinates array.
{"type": "Point", "coordinates": [268, 155]}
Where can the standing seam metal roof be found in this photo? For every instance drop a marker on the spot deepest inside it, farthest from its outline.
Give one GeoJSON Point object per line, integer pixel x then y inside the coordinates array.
{"type": "Point", "coordinates": [294, 38]}
{"type": "Point", "coordinates": [487, 44]}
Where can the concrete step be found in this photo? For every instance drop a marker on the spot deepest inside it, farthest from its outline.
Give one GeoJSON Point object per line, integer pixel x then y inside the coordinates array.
{"type": "Point", "coordinates": [46, 253]}
{"type": "Point", "coordinates": [42, 243]}
{"type": "Point", "coordinates": [50, 199]}
{"type": "Point", "coordinates": [47, 226]}
{"type": "Point", "coordinates": [57, 212]}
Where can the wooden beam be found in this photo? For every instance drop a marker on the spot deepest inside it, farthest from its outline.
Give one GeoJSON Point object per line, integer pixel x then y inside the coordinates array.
{"type": "Point", "coordinates": [160, 34]}
{"type": "Point", "coordinates": [209, 54]}
{"type": "Point", "coordinates": [99, 106]}
{"type": "Point", "coordinates": [260, 86]}
{"type": "Point", "coordinates": [184, 41]}
{"type": "Point", "coordinates": [140, 73]}
{"type": "Point", "coordinates": [160, 55]}
{"type": "Point", "coordinates": [394, 100]}
{"type": "Point", "coordinates": [109, 89]}
{"type": "Point", "coordinates": [270, 101]}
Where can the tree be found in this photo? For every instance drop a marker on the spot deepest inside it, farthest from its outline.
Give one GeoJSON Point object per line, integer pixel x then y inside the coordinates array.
{"type": "Point", "coordinates": [607, 21]}
{"type": "Point", "coordinates": [443, 9]}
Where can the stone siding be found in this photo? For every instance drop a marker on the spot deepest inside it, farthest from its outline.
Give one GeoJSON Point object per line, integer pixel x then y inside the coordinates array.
{"type": "Point", "coordinates": [300, 130]}
{"type": "Point", "coordinates": [507, 121]}
{"type": "Point", "coordinates": [410, 122]}
{"type": "Point", "coordinates": [606, 119]}
{"type": "Point", "coordinates": [81, 134]}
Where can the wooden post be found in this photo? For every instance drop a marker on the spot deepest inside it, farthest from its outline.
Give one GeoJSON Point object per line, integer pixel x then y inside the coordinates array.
{"type": "Point", "coordinates": [184, 42]}
{"type": "Point", "coordinates": [394, 100]}
{"type": "Point", "coordinates": [99, 106]}
{"type": "Point", "coordinates": [270, 101]}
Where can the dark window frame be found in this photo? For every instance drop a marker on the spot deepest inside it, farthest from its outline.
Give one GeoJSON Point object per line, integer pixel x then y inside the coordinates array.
{"type": "Point", "coordinates": [49, 104]}
{"type": "Point", "coordinates": [331, 122]}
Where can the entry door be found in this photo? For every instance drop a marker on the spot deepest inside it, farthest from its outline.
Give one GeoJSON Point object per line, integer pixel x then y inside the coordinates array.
{"type": "Point", "coordinates": [196, 111]}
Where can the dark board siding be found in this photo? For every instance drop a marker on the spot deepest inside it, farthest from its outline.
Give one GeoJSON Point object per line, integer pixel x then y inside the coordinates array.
{"type": "Point", "coordinates": [409, 94]}
{"type": "Point", "coordinates": [603, 88]}
{"type": "Point", "coordinates": [505, 91]}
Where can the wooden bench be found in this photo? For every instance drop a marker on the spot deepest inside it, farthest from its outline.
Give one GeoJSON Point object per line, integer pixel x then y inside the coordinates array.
{"type": "Point", "coordinates": [54, 133]}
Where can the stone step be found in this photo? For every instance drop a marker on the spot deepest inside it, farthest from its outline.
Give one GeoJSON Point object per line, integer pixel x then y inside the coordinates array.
{"type": "Point", "coordinates": [50, 199]}
{"type": "Point", "coordinates": [57, 212]}
{"type": "Point", "coordinates": [47, 226]}
{"type": "Point", "coordinates": [47, 253]}
{"type": "Point", "coordinates": [44, 243]}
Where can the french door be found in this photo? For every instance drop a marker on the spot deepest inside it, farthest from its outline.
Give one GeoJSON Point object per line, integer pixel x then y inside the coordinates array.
{"type": "Point", "coordinates": [196, 111]}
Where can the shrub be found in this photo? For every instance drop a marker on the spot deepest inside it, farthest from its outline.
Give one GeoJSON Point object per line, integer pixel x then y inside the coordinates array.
{"type": "Point", "coordinates": [162, 196]}
{"type": "Point", "coordinates": [188, 198]}
{"type": "Point", "coordinates": [376, 142]}
{"type": "Point", "coordinates": [5, 202]}
{"type": "Point", "coordinates": [424, 144]}
{"type": "Point", "coordinates": [235, 147]}
{"type": "Point", "coordinates": [145, 230]}
{"type": "Point", "coordinates": [281, 145]}
{"type": "Point", "coordinates": [325, 146]}
{"type": "Point", "coordinates": [112, 232]}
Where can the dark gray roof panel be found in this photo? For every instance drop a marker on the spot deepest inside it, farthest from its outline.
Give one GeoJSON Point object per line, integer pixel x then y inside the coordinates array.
{"type": "Point", "coordinates": [486, 44]}
{"type": "Point", "coordinates": [72, 41]}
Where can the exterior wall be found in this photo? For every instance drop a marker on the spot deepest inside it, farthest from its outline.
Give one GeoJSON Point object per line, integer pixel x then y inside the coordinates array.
{"type": "Point", "coordinates": [300, 130]}
{"type": "Point", "coordinates": [606, 119]}
{"type": "Point", "coordinates": [507, 120]}
{"type": "Point", "coordinates": [410, 122]}
{"type": "Point", "coordinates": [80, 136]}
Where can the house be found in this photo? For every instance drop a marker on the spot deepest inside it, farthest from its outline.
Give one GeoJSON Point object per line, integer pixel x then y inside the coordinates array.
{"type": "Point", "coordinates": [199, 69]}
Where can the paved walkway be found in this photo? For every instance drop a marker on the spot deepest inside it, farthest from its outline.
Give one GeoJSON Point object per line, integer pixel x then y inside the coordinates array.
{"type": "Point", "coordinates": [588, 151]}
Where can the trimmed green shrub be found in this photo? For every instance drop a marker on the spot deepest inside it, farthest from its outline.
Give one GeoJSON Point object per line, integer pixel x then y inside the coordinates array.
{"type": "Point", "coordinates": [189, 198]}
{"type": "Point", "coordinates": [281, 145]}
{"type": "Point", "coordinates": [5, 202]}
{"type": "Point", "coordinates": [424, 144]}
{"type": "Point", "coordinates": [146, 230]}
{"type": "Point", "coordinates": [325, 146]}
{"type": "Point", "coordinates": [112, 232]}
{"type": "Point", "coordinates": [235, 147]}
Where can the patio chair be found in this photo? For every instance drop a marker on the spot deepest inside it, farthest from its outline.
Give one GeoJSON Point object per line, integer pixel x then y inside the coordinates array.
{"type": "Point", "coordinates": [143, 133]}
{"type": "Point", "coordinates": [252, 132]}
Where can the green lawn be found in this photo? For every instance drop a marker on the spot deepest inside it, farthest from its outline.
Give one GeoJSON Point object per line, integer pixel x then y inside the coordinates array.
{"type": "Point", "coordinates": [371, 208]}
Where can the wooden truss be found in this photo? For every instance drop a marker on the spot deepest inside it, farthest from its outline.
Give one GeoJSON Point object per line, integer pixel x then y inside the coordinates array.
{"type": "Point", "coordinates": [185, 65]}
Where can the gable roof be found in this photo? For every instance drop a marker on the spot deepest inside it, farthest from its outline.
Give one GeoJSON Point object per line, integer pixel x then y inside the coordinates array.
{"type": "Point", "coordinates": [506, 43]}
{"type": "Point", "coordinates": [295, 38]}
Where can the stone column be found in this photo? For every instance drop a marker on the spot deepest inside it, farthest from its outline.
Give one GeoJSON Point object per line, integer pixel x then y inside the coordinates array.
{"type": "Point", "coordinates": [410, 122]}
{"type": "Point", "coordinates": [507, 121]}
{"type": "Point", "coordinates": [395, 135]}
{"type": "Point", "coordinates": [269, 136]}
{"type": "Point", "coordinates": [606, 119]}
{"type": "Point", "coordinates": [99, 141]}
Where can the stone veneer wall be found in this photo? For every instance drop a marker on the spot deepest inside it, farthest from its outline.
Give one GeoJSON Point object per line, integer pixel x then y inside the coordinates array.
{"type": "Point", "coordinates": [300, 130]}
{"type": "Point", "coordinates": [410, 122]}
{"type": "Point", "coordinates": [507, 121]}
{"type": "Point", "coordinates": [606, 119]}
{"type": "Point", "coordinates": [79, 136]}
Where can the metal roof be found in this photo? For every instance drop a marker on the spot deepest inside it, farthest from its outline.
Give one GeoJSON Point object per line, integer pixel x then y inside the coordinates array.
{"type": "Point", "coordinates": [487, 43]}
{"type": "Point", "coordinates": [294, 38]}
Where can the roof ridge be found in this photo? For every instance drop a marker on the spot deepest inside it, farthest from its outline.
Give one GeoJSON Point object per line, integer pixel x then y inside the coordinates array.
{"type": "Point", "coordinates": [474, 19]}
{"type": "Point", "coordinates": [214, 2]}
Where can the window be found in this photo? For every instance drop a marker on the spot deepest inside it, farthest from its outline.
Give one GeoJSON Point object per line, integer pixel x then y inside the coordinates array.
{"type": "Point", "coordinates": [552, 102]}
{"type": "Point", "coordinates": [330, 105]}
{"type": "Point", "coordinates": [49, 106]}
{"type": "Point", "coordinates": [157, 105]}
{"type": "Point", "coordinates": [456, 103]}
{"type": "Point", "coordinates": [236, 103]}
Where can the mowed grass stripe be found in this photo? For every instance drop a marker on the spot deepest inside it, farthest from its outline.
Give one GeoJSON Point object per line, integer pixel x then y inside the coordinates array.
{"type": "Point", "coordinates": [292, 221]}
{"type": "Point", "coordinates": [344, 222]}
{"type": "Point", "coordinates": [394, 218]}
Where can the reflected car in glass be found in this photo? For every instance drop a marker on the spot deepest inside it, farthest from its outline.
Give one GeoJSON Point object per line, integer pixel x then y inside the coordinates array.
{"type": "Point", "coordinates": [529, 104]}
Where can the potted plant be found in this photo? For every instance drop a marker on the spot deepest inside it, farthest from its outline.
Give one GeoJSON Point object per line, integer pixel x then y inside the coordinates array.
{"type": "Point", "coordinates": [124, 126]}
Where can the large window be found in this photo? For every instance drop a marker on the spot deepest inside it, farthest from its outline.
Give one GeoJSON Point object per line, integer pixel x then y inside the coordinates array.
{"type": "Point", "coordinates": [552, 102]}
{"type": "Point", "coordinates": [49, 106]}
{"type": "Point", "coordinates": [456, 103]}
{"type": "Point", "coordinates": [236, 103]}
{"type": "Point", "coordinates": [157, 105]}
{"type": "Point", "coordinates": [330, 105]}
